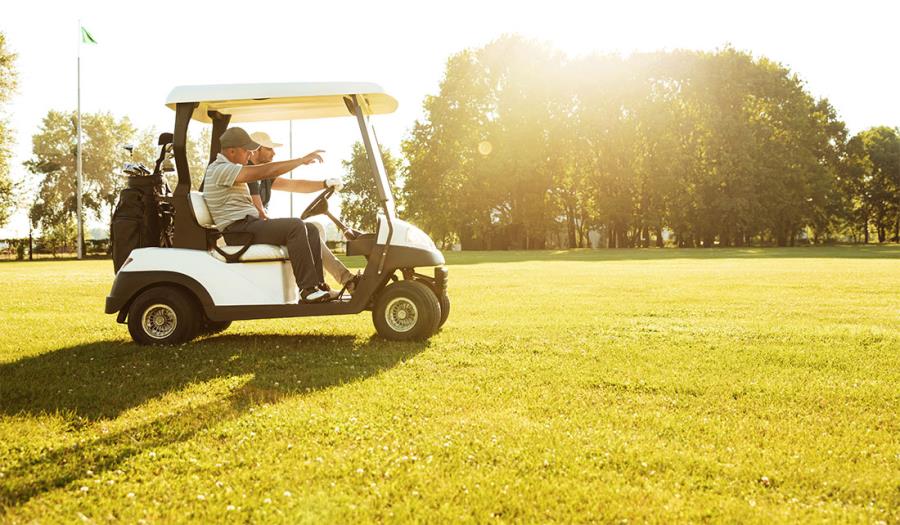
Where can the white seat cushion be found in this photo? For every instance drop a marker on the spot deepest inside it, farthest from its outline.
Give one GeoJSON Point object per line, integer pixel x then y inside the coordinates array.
{"type": "Point", "coordinates": [256, 252]}
{"type": "Point", "coordinates": [201, 211]}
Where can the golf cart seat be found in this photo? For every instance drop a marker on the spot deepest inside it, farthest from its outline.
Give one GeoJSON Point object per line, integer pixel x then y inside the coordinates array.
{"type": "Point", "coordinates": [256, 252]}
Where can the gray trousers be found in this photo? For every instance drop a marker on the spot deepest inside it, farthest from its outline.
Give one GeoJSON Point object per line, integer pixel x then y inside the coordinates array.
{"type": "Point", "coordinates": [299, 237]}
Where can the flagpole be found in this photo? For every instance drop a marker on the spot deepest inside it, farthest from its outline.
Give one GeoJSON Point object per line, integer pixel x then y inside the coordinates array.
{"type": "Point", "coordinates": [78, 155]}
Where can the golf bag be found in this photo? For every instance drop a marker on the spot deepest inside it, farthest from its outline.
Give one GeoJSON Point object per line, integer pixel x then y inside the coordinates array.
{"type": "Point", "coordinates": [136, 220]}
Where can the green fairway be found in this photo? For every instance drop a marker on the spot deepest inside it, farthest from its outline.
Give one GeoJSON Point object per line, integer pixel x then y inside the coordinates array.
{"type": "Point", "coordinates": [589, 386]}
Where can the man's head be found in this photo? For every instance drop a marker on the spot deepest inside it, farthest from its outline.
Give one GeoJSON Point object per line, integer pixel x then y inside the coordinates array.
{"type": "Point", "coordinates": [266, 151]}
{"type": "Point", "coordinates": [237, 145]}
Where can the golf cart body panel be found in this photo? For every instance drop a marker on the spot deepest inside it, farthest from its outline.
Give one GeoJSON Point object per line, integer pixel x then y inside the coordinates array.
{"type": "Point", "coordinates": [256, 281]}
{"type": "Point", "coordinates": [264, 282]}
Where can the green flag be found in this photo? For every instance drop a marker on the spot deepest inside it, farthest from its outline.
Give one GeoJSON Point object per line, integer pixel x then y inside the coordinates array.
{"type": "Point", "coordinates": [86, 37]}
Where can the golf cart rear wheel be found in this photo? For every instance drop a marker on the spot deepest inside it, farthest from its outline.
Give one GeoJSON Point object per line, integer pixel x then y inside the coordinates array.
{"type": "Point", "coordinates": [163, 315]}
{"type": "Point", "coordinates": [406, 311]}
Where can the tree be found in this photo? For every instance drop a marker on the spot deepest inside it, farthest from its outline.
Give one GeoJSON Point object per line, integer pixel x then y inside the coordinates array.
{"type": "Point", "coordinates": [7, 87]}
{"type": "Point", "coordinates": [54, 157]}
{"type": "Point", "coordinates": [359, 198]}
{"type": "Point", "coordinates": [878, 185]}
{"type": "Point", "coordinates": [147, 151]}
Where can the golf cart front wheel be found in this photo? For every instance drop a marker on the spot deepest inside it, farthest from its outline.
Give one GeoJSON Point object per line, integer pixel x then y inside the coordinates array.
{"type": "Point", "coordinates": [163, 315]}
{"type": "Point", "coordinates": [406, 311]}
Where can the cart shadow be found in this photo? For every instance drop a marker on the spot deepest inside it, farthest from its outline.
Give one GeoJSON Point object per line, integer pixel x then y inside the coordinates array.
{"type": "Point", "coordinates": [90, 385]}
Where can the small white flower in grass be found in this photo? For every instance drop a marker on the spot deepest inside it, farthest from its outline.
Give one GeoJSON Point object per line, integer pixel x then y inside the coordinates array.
{"type": "Point", "coordinates": [152, 454]}
{"type": "Point", "coordinates": [84, 488]}
{"type": "Point", "coordinates": [220, 484]}
{"type": "Point", "coordinates": [129, 495]}
{"type": "Point", "coordinates": [360, 471]}
{"type": "Point", "coordinates": [201, 497]}
{"type": "Point", "coordinates": [290, 446]}
{"type": "Point", "coordinates": [230, 507]}
{"type": "Point", "coordinates": [90, 472]}
{"type": "Point", "coordinates": [287, 494]}
{"type": "Point", "coordinates": [267, 501]}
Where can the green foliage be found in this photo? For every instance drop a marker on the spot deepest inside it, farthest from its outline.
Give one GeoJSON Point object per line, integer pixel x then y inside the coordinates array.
{"type": "Point", "coordinates": [359, 198]}
{"type": "Point", "coordinates": [54, 161]}
{"type": "Point", "coordinates": [880, 182]}
{"type": "Point", "coordinates": [146, 151]}
{"type": "Point", "coordinates": [719, 148]}
{"type": "Point", "coordinates": [754, 386]}
{"type": "Point", "coordinates": [8, 77]}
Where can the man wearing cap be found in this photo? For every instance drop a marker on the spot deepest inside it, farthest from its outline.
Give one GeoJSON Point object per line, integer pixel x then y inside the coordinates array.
{"type": "Point", "coordinates": [228, 198]}
{"type": "Point", "coordinates": [261, 192]}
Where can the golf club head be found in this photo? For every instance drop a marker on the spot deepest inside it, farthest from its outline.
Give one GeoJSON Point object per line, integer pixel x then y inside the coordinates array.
{"type": "Point", "coordinates": [131, 170]}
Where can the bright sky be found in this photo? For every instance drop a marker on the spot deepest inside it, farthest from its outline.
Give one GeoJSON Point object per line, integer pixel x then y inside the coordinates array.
{"type": "Point", "coordinates": [845, 51]}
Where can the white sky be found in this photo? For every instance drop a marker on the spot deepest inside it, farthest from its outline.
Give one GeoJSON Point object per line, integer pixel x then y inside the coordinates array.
{"type": "Point", "coordinates": [846, 51]}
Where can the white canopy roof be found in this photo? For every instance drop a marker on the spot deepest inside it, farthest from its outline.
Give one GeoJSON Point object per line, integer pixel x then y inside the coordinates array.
{"type": "Point", "coordinates": [281, 101]}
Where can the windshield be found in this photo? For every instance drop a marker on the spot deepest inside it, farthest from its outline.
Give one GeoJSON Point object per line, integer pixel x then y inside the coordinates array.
{"type": "Point", "coordinates": [381, 180]}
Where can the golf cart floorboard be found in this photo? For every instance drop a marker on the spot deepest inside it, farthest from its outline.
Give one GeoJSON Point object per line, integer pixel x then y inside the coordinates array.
{"type": "Point", "coordinates": [246, 312]}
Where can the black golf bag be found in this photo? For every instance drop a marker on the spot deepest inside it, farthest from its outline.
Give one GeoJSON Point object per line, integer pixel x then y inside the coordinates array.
{"type": "Point", "coordinates": [136, 221]}
{"type": "Point", "coordinates": [143, 216]}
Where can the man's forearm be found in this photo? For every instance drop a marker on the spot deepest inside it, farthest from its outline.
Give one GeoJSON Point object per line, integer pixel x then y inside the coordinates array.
{"type": "Point", "coordinates": [269, 170]}
{"type": "Point", "coordinates": [297, 185]}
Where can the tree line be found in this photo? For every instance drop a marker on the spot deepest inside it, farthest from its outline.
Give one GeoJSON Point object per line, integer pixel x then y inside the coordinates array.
{"type": "Point", "coordinates": [525, 148]}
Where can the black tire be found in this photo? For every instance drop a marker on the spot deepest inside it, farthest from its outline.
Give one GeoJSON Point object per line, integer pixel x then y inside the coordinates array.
{"type": "Point", "coordinates": [443, 300]}
{"type": "Point", "coordinates": [445, 309]}
{"type": "Point", "coordinates": [401, 301]}
{"type": "Point", "coordinates": [214, 327]}
{"type": "Point", "coordinates": [177, 317]}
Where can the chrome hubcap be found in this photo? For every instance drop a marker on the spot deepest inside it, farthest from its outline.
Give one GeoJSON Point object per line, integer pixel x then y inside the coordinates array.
{"type": "Point", "coordinates": [159, 321]}
{"type": "Point", "coordinates": [401, 314]}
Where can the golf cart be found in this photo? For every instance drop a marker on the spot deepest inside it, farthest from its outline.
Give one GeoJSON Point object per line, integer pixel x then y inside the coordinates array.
{"type": "Point", "coordinates": [193, 283]}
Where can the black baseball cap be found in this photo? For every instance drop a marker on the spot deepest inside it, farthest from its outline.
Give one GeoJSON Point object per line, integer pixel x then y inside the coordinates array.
{"type": "Point", "coordinates": [237, 138]}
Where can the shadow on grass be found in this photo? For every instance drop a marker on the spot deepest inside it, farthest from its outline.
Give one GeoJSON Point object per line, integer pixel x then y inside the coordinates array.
{"type": "Point", "coordinates": [101, 380]}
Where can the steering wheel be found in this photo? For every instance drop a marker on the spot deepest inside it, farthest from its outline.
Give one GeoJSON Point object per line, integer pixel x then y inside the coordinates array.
{"type": "Point", "coordinates": [319, 205]}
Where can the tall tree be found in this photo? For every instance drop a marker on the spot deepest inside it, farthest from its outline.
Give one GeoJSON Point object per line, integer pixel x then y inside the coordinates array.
{"type": "Point", "coordinates": [359, 198]}
{"type": "Point", "coordinates": [7, 87]}
{"type": "Point", "coordinates": [53, 161]}
{"type": "Point", "coordinates": [881, 180]}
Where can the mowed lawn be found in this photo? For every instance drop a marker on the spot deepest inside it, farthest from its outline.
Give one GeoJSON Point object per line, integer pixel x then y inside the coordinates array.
{"type": "Point", "coordinates": [578, 386]}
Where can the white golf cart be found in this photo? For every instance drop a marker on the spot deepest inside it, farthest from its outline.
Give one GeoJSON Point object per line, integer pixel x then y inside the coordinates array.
{"type": "Point", "coordinates": [169, 295]}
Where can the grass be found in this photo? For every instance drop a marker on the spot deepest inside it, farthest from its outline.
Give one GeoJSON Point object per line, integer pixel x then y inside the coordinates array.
{"type": "Point", "coordinates": [580, 386]}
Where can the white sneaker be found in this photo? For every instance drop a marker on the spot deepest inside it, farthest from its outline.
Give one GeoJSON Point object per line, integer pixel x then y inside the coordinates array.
{"type": "Point", "coordinates": [314, 295]}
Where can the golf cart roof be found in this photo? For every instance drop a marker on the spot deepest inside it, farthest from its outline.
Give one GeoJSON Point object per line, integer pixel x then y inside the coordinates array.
{"type": "Point", "coordinates": [281, 101]}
